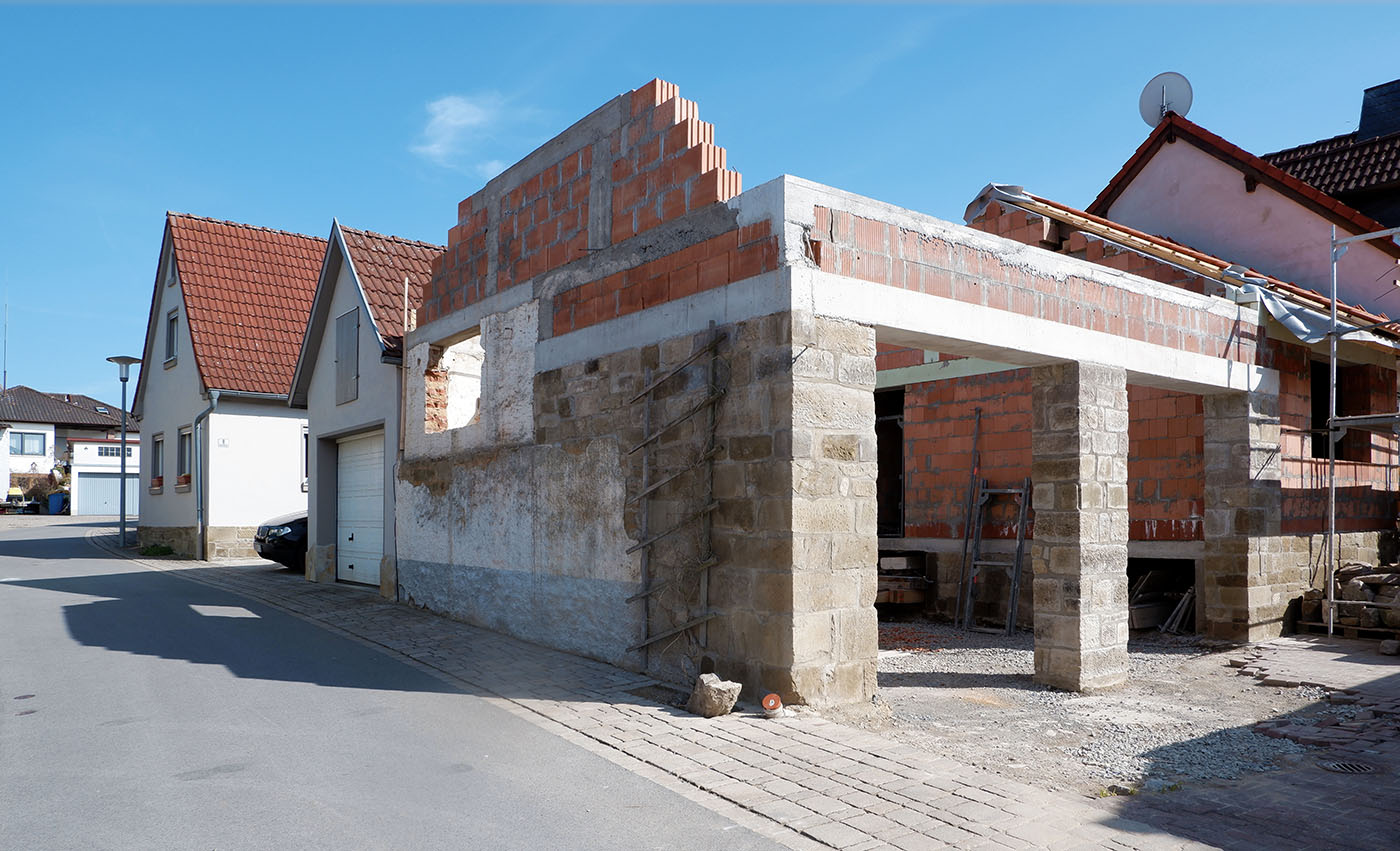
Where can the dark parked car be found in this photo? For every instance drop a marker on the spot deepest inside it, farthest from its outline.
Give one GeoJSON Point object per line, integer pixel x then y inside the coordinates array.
{"type": "Point", "coordinates": [283, 540]}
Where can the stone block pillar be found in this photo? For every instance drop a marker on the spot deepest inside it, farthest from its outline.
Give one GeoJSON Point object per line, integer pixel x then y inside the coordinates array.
{"type": "Point", "coordinates": [1079, 470]}
{"type": "Point", "coordinates": [1244, 556]}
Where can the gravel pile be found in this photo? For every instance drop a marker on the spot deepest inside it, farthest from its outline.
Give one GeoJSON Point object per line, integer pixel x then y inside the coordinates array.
{"type": "Point", "coordinates": [1183, 717]}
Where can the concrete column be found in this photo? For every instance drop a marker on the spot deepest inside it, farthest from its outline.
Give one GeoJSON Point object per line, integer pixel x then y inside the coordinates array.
{"type": "Point", "coordinates": [1079, 469]}
{"type": "Point", "coordinates": [1244, 555]}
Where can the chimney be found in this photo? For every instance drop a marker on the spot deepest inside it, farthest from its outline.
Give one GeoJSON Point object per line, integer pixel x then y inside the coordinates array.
{"type": "Point", "coordinates": [1380, 111]}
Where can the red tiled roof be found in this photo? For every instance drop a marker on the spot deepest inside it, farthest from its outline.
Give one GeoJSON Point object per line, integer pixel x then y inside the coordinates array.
{"type": "Point", "coordinates": [247, 291]}
{"type": "Point", "coordinates": [382, 263]}
{"type": "Point", "coordinates": [1174, 126]}
{"type": "Point", "coordinates": [1343, 164]}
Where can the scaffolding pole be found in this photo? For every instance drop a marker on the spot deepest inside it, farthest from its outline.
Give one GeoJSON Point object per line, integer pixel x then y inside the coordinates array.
{"type": "Point", "coordinates": [1336, 423]}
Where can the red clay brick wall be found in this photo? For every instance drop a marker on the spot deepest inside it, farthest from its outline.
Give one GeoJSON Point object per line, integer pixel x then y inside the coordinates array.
{"type": "Point", "coordinates": [662, 164]}
{"type": "Point", "coordinates": [1166, 445]}
{"type": "Point", "coordinates": [938, 426]}
{"type": "Point", "coordinates": [885, 253]}
{"type": "Point", "coordinates": [732, 256]}
{"type": "Point", "coordinates": [1365, 490]}
{"type": "Point", "coordinates": [894, 357]}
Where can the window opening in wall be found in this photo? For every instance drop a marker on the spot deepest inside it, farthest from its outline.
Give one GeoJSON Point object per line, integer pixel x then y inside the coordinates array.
{"type": "Point", "coordinates": [183, 455]}
{"type": "Point", "coordinates": [1162, 594]}
{"type": "Point", "coordinates": [305, 456]}
{"type": "Point", "coordinates": [172, 329]}
{"type": "Point", "coordinates": [1355, 444]}
{"type": "Point", "coordinates": [23, 443]}
{"type": "Point", "coordinates": [889, 453]}
{"type": "Point", "coordinates": [452, 384]}
{"type": "Point", "coordinates": [112, 452]}
{"type": "Point", "coordinates": [157, 458]}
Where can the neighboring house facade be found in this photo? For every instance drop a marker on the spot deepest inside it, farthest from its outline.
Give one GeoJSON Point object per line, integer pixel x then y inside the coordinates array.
{"type": "Point", "coordinates": [349, 381]}
{"type": "Point", "coordinates": [41, 427]}
{"type": "Point", "coordinates": [1191, 186]}
{"type": "Point", "coordinates": [222, 450]}
{"type": "Point", "coordinates": [95, 470]}
{"type": "Point", "coordinates": [1361, 168]}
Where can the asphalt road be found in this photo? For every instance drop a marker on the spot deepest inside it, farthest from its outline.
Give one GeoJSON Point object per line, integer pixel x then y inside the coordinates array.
{"type": "Point", "coordinates": [142, 710]}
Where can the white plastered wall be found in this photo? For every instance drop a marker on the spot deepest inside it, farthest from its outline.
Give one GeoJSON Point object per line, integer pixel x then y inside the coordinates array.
{"type": "Point", "coordinates": [255, 467]}
{"type": "Point", "coordinates": [171, 397]}
{"type": "Point", "coordinates": [31, 464]}
{"type": "Point", "coordinates": [1190, 196]}
{"type": "Point", "coordinates": [376, 407]}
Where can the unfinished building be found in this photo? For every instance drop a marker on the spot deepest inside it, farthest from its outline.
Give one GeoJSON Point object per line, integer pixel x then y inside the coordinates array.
{"type": "Point", "coordinates": [641, 416]}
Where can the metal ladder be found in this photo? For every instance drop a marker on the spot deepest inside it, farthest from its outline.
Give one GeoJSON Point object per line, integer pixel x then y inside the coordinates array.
{"type": "Point", "coordinates": [698, 568]}
{"type": "Point", "coordinates": [983, 498]}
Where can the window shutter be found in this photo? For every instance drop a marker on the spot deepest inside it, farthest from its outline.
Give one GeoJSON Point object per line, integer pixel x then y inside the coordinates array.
{"type": "Point", "coordinates": [347, 357]}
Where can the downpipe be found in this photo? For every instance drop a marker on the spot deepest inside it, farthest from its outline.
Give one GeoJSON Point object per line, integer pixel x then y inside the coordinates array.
{"type": "Point", "coordinates": [199, 491]}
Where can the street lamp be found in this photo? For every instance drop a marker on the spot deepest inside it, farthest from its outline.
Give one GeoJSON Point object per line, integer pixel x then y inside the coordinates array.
{"type": "Point", "coordinates": [123, 363]}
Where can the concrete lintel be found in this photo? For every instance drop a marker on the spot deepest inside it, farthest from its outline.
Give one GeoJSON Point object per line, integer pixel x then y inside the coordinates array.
{"type": "Point", "coordinates": [931, 322]}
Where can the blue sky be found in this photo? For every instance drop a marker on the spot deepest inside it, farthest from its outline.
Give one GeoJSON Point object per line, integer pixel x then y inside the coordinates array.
{"type": "Point", "coordinates": [388, 116]}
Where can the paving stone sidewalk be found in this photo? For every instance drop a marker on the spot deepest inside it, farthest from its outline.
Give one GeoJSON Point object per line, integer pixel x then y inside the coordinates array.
{"type": "Point", "coordinates": [802, 781]}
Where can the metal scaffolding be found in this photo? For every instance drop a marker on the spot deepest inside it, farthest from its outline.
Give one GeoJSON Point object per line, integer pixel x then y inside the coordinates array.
{"type": "Point", "coordinates": [1336, 425]}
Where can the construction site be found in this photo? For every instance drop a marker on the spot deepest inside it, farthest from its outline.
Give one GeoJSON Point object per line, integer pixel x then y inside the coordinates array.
{"type": "Point", "coordinates": [1073, 459]}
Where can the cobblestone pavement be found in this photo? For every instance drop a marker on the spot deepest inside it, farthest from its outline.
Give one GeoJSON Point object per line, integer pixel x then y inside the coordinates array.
{"type": "Point", "coordinates": [803, 781]}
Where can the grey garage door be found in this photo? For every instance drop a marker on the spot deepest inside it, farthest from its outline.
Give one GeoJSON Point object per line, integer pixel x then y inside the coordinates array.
{"type": "Point", "coordinates": [96, 493]}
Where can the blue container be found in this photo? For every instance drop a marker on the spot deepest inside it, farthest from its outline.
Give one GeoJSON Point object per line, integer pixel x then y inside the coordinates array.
{"type": "Point", "coordinates": [58, 503]}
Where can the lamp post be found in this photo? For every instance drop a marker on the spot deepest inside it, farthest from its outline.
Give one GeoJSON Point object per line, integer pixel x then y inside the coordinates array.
{"type": "Point", "coordinates": [123, 363]}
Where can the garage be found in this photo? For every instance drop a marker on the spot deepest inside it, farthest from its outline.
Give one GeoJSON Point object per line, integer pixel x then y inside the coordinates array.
{"type": "Point", "coordinates": [100, 494]}
{"type": "Point", "coordinates": [359, 507]}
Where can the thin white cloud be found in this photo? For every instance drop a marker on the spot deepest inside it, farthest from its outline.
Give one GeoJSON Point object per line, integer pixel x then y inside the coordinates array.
{"type": "Point", "coordinates": [491, 168]}
{"type": "Point", "coordinates": [456, 125]}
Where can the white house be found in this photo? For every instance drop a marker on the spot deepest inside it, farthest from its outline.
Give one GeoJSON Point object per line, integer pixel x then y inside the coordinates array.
{"type": "Point", "coordinates": [96, 474]}
{"type": "Point", "coordinates": [40, 428]}
{"type": "Point", "coordinates": [222, 449]}
{"type": "Point", "coordinates": [349, 380]}
{"type": "Point", "coordinates": [1191, 186]}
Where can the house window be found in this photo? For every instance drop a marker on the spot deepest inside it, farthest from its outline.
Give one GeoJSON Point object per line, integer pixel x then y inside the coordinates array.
{"type": "Point", "coordinates": [24, 443]}
{"type": "Point", "coordinates": [172, 334]}
{"type": "Point", "coordinates": [347, 357]}
{"type": "Point", "coordinates": [305, 456]}
{"type": "Point", "coordinates": [112, 451]}
{"type": "Point", "coordinates": [158, 456]}
{"type": "Point", "coordinates": [183, 452]}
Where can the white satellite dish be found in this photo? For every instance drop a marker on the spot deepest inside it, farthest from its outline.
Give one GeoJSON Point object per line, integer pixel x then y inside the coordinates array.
{"type": "Point", "coordinates": [1166, 92]}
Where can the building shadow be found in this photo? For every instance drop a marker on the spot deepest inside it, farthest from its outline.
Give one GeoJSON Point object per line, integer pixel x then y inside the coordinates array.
{"type": "Point", "coordinates": [146, 613]}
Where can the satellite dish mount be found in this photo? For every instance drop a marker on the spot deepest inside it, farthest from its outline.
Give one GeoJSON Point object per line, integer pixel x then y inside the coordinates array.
{"type": "Point", "coordinates": [1166, 92]}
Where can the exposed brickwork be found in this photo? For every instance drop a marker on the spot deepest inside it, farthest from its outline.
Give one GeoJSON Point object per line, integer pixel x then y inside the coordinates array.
{"type": "Point", "coordinates": [1166, 440]}
{"type": "Point", "coordinates": [670, 164]}
{"type": "Point", "coordinates": [894, 357]}
{"type": "Point", "coordinates": [732, 256]}
{"type": "Point", "coordinates": [661, 163]}
{"type": "Point", "coordinates": [938, 426]}
{"type": "Point", "coordinates": [544, 221]}
{"type": "Point", "coordinates": [885, 253]}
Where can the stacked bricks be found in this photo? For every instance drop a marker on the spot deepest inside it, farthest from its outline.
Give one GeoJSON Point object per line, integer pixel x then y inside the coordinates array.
{"type": "Point", "coordinates": [1245, 563]}
{"type": "Point", "coordinates": [1166, 441]}
{"type": "Point", "coordinates": [886, 253]}
{"type": "Point", "coordinates": [668, 163]}
{"type": "Point", "coordinates": [544, 221]}
{"type": "Point", "coordinates": [1080, 551]}
{"type": "Point", "coordinates": [732, 256]}
{"type": "Point", "coordinates": [896, 357]}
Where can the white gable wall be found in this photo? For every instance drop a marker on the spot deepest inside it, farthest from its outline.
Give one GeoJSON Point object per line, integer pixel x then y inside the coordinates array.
{"type": "Point", "coordinates": [171, 397]}
{"type": "Point", "coordinates": [31, 464]}
{"type": "Point", "coordinates": [376, 407]}
{"type": "Point", "coordinates": [1187, 195]}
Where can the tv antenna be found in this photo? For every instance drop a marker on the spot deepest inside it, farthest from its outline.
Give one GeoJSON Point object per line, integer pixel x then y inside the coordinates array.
{"type": "Point", "coordinates": [1166, 92]}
